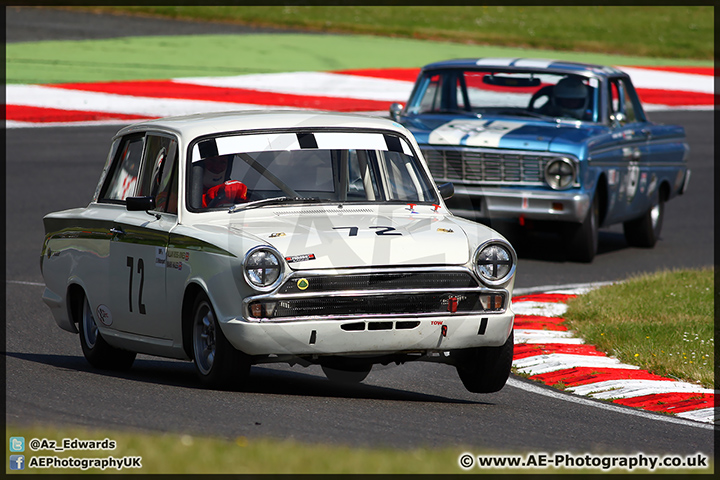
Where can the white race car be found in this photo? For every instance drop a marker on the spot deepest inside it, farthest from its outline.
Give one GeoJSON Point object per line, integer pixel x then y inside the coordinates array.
{"type": "Point", "coordinates": [241, 238]}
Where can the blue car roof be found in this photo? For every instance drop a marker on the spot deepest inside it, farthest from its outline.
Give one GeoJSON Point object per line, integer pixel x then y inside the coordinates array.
{"type": "Point", "coordinates": [525, 64]}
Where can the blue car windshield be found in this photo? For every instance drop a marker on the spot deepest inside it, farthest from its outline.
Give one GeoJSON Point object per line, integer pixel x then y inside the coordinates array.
{"type": "Point", "coordinates": [328, 166]}
{"type": "Point", "coordinates": [484, 92]}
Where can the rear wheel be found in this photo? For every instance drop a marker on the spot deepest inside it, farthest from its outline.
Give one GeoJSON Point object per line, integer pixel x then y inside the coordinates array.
{"type": "Point", "coordinates": [97, 351]}
{"type": "Point", "coordinates": [583, 238]}
{"type": "Point", "coordinates": [645, 231]}
{"type": "Point", "coordinates": [217, 363]}
{"type": "Point", "coordinates": [485, 369]}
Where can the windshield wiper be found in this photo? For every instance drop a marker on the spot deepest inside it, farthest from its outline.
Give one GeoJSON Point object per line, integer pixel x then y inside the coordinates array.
{"type": "Point", "coordinates": [273, 201]}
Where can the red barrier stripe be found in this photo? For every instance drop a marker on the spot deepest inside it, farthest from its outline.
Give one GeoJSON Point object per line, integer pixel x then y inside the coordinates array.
{"type": "Point", "coordinates": [544, 297]}
{"type": "Point", "coordinates": [524, 350]}
{"type": "Point", "coordinates": [187, 91]}
{"type": "Point", "coordinates": [670, 402]}
{"type": "Point", "coordinates": [537, 322]}
{"type": "Point", "coordinates": [22, 113]}
{"type": "Point", "coordinates": [573, 377]}
{"type": "Point", "coordinates": [403, 74]}
{"type": "Point", "coordinates": [674, 97]}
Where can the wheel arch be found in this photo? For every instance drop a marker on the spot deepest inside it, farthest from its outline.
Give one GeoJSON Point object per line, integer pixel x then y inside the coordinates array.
{"type": "Point", "coordinates": [191, 292]}
{"type": "Point", "coordinates": [601, 190]}
{"type": "Point", "coordinates": [74, 300]}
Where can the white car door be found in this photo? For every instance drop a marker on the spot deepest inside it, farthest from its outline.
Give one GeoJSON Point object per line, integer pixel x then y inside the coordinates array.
{"type": "Point", "coordinates": [138, 247]}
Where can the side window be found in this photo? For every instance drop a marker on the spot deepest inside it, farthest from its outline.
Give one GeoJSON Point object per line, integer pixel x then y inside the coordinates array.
{"type": "Point", "coordinates": [628, 102]}
{"type": "Point", "coordinates": [157, 175]}
{"type": "Point", "coordinates": [623, 101]}
{"type": "Point", "coordinates": [431, 98]}
{"type": "Point", "coordinates": [123, 179]}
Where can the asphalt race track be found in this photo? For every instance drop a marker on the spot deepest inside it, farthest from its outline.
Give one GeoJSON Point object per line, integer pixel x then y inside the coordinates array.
{"type": "Point", "coordinates": [413, 405]}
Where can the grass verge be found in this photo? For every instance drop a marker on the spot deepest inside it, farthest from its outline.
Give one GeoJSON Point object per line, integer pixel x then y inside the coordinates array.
{"type": "Point", "coordinates": [185, 454]}
{"type": "Point", "coordinates": [661, 322]}
{"type": "Point", "coordinates": [655, 31]}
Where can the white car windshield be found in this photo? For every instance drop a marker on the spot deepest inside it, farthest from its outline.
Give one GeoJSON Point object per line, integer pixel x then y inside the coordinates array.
{"type": "Point", "coordinates": [319, 166]}
{"type": "Point", "coordinates": [485, 92]}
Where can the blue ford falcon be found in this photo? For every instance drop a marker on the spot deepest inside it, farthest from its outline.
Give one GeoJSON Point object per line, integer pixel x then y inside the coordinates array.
{"type": "Point", "coordinates": [542, 143]}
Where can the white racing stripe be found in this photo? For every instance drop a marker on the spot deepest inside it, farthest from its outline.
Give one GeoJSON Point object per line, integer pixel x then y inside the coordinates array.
{"type": "Point", "coordinates": [544, 309]}
{"type": "Point", "coordinates": [622, 388]}
{"type": "Point", "coordinates": [477, 133]}
{"type": "Point", "coordinates": [64, 99]}
{"type": "Point", "coordinates": [709, 415]}
{"type": "Point", "coordinates": [313, 83]}
{"type": "Point", "coordinates": [553, 362]}
{"type": "Point", "coordinates": [546, 336]}
{"type": "Point", "coordinates": [684, 82]}
{"type": "Point", "coordinates": [528, 387]}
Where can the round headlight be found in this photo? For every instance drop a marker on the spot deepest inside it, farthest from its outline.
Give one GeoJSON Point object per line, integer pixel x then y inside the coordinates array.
{"type": "Point", "coordinates": [495, 262]}
{"type": "Point", "coordinates": [560, 173]}
{"type": "Point", "coordinates": [263, 268]}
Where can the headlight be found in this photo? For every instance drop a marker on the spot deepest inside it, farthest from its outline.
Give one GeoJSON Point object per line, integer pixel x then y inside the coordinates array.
{"type": "Point", "coordinates": [560, 173]}
{"type": "Point", "coordinates": [495, 262]}
{"type": "Point", "coordinates": [263, 268]}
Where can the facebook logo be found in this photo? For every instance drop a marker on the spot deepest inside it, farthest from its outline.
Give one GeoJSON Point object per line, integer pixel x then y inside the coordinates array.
{"type": "Point", "coordinates": [17, 444]}
{"type": "Point", "coordinates": [17, 462]}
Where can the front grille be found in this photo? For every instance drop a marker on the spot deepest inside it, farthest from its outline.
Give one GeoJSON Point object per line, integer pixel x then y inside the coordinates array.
{"type": "Point", "coordinates": [379, 281]}
{"type": "Point", "coordinates": [372, 305]}
{"type": "Point", "coordinates": [486, 167]}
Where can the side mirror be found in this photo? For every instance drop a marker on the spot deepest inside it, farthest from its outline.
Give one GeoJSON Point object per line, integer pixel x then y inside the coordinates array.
{"type": "Point", "coordinates": [140, 204]}
{"type": "Point", "coordinates": [447, 190]}
{"type": "Point", "coordinates": [395, 111]}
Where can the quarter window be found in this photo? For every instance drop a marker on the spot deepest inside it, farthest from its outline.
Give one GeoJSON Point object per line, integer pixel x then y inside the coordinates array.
{"type": "Point", "coordinates": [123, 181]}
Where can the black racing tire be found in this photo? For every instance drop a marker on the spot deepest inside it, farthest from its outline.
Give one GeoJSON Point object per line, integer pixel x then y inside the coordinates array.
{"type": "Point", "coordinates": [96, 350]}
{"type": "Point", "coordinates": [583, 238]}
{"type": "Point", "coordinates": [349, 375]}
{"type": "Point", "coordinates": [644, 232]}
{"type": "Point", "coordinates": [217, 363]}
{"type": "Point", "coordinates": [485, 369]}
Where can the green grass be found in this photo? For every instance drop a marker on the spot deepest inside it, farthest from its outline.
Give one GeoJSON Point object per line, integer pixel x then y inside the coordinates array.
{"type": "Point", "coordinates": [685, 32]}
{"type": "Point", "coordinates": [170, 453]}
{"type": "Point", "coordinates": [662, 322]}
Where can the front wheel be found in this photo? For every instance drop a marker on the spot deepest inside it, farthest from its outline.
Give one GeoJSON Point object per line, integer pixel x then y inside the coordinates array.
{"type": "Point", "coordinates": [97, 351]}
{"type": "Point", "coordinates": [485, 369]}
{"type": "Point", "coordinates": [583, 238]}
{"type": "Point", "coordinates": [217, 363]}
{"type": "Point", "coordinates": [644, 231]}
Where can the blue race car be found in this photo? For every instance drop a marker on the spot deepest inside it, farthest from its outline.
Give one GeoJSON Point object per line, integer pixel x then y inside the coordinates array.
{"type": "Point", "coordinates": [547, 143]}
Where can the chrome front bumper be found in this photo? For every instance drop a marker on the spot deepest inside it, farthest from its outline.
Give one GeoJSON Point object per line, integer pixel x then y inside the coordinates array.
{"type": "Point", "coordinates": [509, 204]}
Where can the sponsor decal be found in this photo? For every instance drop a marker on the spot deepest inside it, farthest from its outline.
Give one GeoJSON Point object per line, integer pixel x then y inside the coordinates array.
{"type": "Point", "coordinates": [445, 230]}
{"type": "Point", "coordinates": [612, 177]}
{"type": "Point", "coordinates": [300, 258]}
{"type": "Point", "coordinates": [104, 315]}
{"type": "Point", "coordinates": [181, 254]}
{"type": "Point", "coordinates": [278, 234]}
{"type": "Point", "coordinates": [303, 284]}
{"type": "Point", "coordinates": [631, 180]}
{"type": "Point", "coordinates": [160, 256]}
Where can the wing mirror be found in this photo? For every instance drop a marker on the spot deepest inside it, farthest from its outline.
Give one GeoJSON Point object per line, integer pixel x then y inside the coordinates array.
{"type": "Point", "coordinates": [447, 190]}
{"type": "Point", "coordinates": [140, 204]}
{"type": "Point", "coordinates": [395, 111]}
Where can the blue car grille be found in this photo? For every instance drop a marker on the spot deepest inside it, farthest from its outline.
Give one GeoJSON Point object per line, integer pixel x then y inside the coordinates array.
{"type": "Point", "coordinates": [486, 167]}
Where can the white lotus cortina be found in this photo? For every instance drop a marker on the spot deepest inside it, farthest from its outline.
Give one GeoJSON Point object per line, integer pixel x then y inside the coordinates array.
{"type": "Point", "coordinates": [242, 238]}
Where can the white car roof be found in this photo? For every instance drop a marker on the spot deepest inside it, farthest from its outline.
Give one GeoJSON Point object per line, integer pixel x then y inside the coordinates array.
{"type": "Point", "coordinates": [193, 126]}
